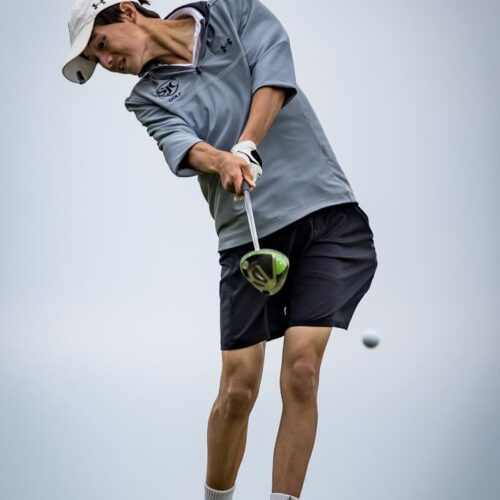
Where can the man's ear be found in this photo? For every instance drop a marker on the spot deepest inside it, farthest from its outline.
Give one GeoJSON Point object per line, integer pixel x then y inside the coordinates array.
{"type": "Point", "coordinates": [129, 11]}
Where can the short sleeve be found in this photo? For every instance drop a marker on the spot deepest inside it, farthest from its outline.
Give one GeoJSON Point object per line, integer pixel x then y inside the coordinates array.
{"type": "Point", "coordinates": [267, 48]}
{"type": "Point", "coordinates": [172, 134]}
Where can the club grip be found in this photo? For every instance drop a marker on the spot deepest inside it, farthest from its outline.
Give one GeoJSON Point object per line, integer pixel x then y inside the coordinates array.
{"type": "Point", "coordinates": [245, 186]}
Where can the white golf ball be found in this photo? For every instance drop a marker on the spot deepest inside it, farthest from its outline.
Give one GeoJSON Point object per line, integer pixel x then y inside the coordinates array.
{"type": "Point", "coordinates": [371, 338]}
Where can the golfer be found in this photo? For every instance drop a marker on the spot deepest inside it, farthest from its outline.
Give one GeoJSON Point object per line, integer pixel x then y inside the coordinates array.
{"type": "Point", "coordinates": [218, 94]}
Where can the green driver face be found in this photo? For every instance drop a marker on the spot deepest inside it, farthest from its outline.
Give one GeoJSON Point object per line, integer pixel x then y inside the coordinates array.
{"type": "Point", "coordinates": [265, 269]}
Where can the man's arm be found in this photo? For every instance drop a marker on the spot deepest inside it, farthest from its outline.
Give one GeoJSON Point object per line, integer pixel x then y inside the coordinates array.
{"type": "Point", "coordinates": [266, 103]}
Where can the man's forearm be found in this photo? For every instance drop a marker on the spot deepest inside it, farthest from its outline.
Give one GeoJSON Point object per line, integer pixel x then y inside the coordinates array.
{"type": "Point", "coordinates": [266, 104]}
{"type": "Point", "coordinates": [205, 158]}
{"type": "Point", "coordinates": [231, 168]}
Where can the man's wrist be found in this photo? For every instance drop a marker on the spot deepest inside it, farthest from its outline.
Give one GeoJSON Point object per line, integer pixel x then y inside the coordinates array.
{"type": "Point", "coordinates": [249, 137]}
{"type": "Point", "coordinates": [216, 161]}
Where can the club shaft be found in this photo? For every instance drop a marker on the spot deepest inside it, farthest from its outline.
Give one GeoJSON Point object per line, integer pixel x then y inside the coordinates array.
{"type": "Point", "coordinates": [251, 221]}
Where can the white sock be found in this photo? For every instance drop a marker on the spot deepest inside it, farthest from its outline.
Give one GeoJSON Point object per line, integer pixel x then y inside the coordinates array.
{"type": "Point", "coordinates": [211, 494]}
{"type": "Point", "coordinates": [282, 496]}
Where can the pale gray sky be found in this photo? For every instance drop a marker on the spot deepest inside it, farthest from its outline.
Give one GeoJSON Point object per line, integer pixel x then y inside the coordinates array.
{"type": "Point", "coordinates": [109, 313]}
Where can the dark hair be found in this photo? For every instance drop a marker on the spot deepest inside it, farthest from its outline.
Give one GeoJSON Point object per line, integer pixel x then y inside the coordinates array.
{"type": "Point", "coordinates": [113, 14]}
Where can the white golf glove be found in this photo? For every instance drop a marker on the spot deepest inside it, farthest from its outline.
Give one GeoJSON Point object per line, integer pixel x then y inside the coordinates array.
{"type": "Point", "coordinates": [248, 151]}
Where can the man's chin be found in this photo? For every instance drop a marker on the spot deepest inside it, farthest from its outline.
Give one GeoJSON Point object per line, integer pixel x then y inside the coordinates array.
{"type": "Point", "coordinates": [132, 69]}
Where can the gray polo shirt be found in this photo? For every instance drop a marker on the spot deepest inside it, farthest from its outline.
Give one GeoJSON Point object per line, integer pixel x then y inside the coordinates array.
{"type": "Point", "coordinates": [242, 47]}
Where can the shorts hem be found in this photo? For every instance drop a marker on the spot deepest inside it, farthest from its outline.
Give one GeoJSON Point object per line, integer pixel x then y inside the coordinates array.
{"type": "Point", "coordinates": [241, 346]}
{"type": "Point", "coordinates": [332, 324]}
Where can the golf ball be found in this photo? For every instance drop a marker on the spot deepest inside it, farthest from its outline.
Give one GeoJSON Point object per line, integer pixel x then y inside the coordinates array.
{"type": "Point", "coordinates": [371, 339]}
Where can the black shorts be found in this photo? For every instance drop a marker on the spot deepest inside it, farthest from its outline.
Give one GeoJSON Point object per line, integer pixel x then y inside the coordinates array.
{"type": "Point", "coordinates": [332, 263]}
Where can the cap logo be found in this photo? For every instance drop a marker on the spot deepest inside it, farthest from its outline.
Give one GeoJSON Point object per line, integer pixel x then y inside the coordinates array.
{"type": "Point", "coordinates": [96, 5]}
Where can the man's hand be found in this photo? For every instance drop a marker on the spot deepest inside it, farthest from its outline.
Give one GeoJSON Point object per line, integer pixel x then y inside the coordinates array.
{"type": "Point", "coordinates": [248, 151]}
{"type": "Point", "coordinates": [233, 170]}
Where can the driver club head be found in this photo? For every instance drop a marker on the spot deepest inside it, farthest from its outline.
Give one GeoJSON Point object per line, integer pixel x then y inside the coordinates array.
{"type": "Point", "coordinates": [265, 269]}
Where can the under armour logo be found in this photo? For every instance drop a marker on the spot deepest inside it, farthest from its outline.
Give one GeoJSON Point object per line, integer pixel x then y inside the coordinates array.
{"type": "Point", "coordinates": [228, 42]}
{"type": "Point", "coordinates": [96, 5]}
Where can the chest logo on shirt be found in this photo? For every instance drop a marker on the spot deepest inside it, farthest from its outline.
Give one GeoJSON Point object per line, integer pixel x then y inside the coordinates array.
{"type": "Point", "coordinates": [219, 44]}
{"type": "Point", "coordinates": [225, 44]}
{"type": "Point", "coordinates": [169, 89]}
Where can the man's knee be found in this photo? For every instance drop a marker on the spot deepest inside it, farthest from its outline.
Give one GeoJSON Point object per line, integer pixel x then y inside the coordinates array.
{"type": "Point", "coordinates": [240, 380]}
{"type": "Point", "coordinates": [300, 381]}
{"type": "Point", "coordinates": [236, 401]}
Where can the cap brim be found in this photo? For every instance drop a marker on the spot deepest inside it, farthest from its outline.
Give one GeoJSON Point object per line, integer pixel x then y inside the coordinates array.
{"type": "Point", "coordinates": [78, 69]}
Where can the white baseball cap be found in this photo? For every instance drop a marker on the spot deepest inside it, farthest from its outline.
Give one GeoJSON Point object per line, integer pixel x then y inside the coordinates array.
{"type": "Point", "coordinates": [81, 23]}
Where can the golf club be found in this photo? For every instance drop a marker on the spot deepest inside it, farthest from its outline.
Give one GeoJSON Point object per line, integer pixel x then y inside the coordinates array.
{"type": "Point", "coordinates": [265, 269]}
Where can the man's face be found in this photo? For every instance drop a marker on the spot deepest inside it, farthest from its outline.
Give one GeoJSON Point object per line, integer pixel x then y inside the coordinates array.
{"type": "Point", "coordinates": [118, 47]}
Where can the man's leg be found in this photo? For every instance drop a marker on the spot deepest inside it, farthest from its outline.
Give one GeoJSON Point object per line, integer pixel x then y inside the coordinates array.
{"type": "Point", "coordinates": [228, 423]}
{"type": "Point", "coordinates": [303, 349]}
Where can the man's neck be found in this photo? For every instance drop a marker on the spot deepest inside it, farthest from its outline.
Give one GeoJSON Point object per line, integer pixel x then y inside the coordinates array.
{"type": "Point", "coordinates": [172, 40]}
